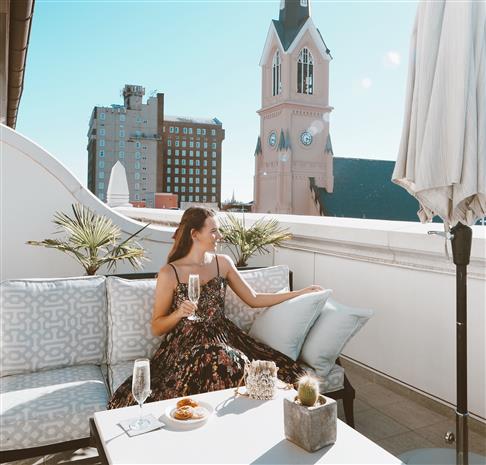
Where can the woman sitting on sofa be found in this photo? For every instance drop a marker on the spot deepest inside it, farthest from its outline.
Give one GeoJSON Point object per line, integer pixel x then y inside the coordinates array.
{"type": "Point", "coordinates": [209, 353]}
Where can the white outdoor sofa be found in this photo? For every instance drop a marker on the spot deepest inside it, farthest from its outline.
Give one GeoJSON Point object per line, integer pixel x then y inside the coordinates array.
{"type": "Point", "coordinates": [67, 344]}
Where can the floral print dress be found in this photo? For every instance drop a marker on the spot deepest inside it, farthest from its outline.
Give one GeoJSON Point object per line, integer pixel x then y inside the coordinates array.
{"type": "Point", "coordinates": [206, 355]}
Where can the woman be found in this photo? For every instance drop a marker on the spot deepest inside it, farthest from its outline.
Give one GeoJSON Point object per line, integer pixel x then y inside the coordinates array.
{"type": "Point", "coordinates": [210, 353]}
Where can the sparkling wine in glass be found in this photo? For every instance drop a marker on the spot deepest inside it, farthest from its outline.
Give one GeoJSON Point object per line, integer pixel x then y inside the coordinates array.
{"type": "Point", "coordinates": [193, 290]}
{"type": "Point", "coordinates": [141, 389]}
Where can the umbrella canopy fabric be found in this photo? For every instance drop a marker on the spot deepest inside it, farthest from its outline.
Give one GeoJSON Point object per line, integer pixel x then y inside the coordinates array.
{"type": "Point", "coordinates": [442, 155]}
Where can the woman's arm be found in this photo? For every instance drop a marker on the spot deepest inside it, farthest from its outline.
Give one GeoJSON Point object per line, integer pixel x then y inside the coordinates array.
{"type": "Point", "coordinates": [257, 299]}
{"type": "Point", "coordinates": [162, 321]}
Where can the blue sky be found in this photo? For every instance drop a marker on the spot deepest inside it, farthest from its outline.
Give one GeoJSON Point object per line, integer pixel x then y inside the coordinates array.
{"type": "Point", "coordinates": [204, 56]}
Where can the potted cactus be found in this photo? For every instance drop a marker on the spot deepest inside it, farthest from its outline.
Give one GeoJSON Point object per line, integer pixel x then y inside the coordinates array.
{"type": "Point", "coordinates": [310, 418]}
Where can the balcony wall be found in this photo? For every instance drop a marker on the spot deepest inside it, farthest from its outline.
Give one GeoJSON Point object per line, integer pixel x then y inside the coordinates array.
{"type": "Point", "coordinates": [394, 268]}
{"type": "Point", "coordinates": [34, 185]}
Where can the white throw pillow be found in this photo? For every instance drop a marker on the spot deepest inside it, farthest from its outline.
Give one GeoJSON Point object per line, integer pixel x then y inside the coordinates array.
{"type": "Point", "coordinates": [337, 324]}
{"type": "Point", "coordinates": [284, 326]}
{"type": "Point", "coordinates": [271, 279]}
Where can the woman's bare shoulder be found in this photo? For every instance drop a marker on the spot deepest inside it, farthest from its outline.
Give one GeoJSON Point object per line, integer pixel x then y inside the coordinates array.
{"type": "Point", "coordinates": [226, 263]}
{"type": "Point", "coordinates": [167, 274]}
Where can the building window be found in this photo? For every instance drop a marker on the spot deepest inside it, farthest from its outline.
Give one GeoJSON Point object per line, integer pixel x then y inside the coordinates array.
{"type": "Point", "coordinates": [203, 131]}
{"type": "Point", "coordinates": [102, 153]}
{"type": "Point", "coordinates": [205, 172]}
{"type": "Point", "coordinates": [191, 180]}
{"type": "Point", "coordinates": [213, 198]}
{"type": "Point", "coordinates": [102, 142]}
{"type": "Point", "coordinates": [169, 161]}
{"type": "Point", "coordinates": [171, 129]}
{"type": "Point", "coordinates": [121, 154]}
{"type": "Point", "coordinates": [191, 171]}
{"type": "Point", "coordinates": [183, 171]}
{"type": "Point", "coordinates": [191, 153]}
{"type": "Point", "coordinates": [197, 180]}
{"type": "Point", "coordinates": [176, 161]}
{"type": "Point", "coordinates": [183, 153]}
{"type": "Point", "coordinates": [183, 188]}
{"type": "Point", "coordinates": [213, 181]}
{"type": "Point", "coordinates": [183, 143]}
{"type": "Point", "coordinates": [276, 74]}
{"type": "Point", "coordinates": [197, 198]}
{"type": "Point", "coordinates": [183, 198]}
{"type": "Point", "coordinates": [137, 165]}
{"type": "Point", "coordinates": [198, 145]}
{"type": "Point", "coordinates": [168, 179]}
{"type": "Point", "coordinates": [205, 145]}
{"type": "Point", "coordinates": [137, 186]}
{"type": "Point", "coordinates": [102, 131]}
{"type": "Point", "coordinates": [184, 130]}
{"type": "Point", "coordinates": [168, 170]}
{"type": "Point", "coordinates": [176, 130]}
{"type": "Point", "coordinates": [213, 145]}
{"type": "Point", "coordinates": [122, 133]}
{"type": "Point", "coordinates": [190, 130]}
{"type": "Point", "coordinates": [213, 190]}
{"type": "Point", "coordinates": [191, 189]}
{"type": "Point", "coordinates": [101, 185]}
{"type": "Point", "coordinates": [121, 144]}
{"type": "Point", "coordinates": [101, 175]}
{"type": "Point", "coordinates": [176, 188]}
{"type": "Point", "coordinates": [169, 152]}
{"type": "Point", "coordinates": [138, 145]}
{"type": "Point", "coordinates": [102, 116]}
{"type": "Point", "coordinates": [198, 162]}
{"type": "Point", "coordinates": [183, 162]}
{"type": "Point", "coordinates": [213, 132]}
{"type": "Point", "coordinates": [191, 143]}
{"type": "Point", "coordinates": [169, 143]}
{"type": "Point", "coordinates": [205, 163]}
{"type": "Point", "coordinates": [177, 143]}
{"type": "Point", "coordinates": [205, 180]}
{"type": "Point", "coordinates": [122, 118]}
{"type": "Point", "coordinates": [176, 170]}
{"type": "Point", "coordinates": [137, 196]}
{"type": "Point", "coordinates": [177, 152]}
{"type": "Point", "coordinates": [205, 154]}
{"type": "Point", "coordinates": [183, 180]}
{"type": "Point", "coordinates": [213, 163]}
{"type": "Point", "coordinates": [213, 172]}
{"type": "Point", "coordinates": [101, 164]}
{"type": "Point", "coordinates": [137, 175]}
{"type": "Point", "coordinates": [137, 155]}
{"type": "Point", "coordinates": [168, 188]}
{"type": "Point", "coordinates": [213, 154]}
{"type": "Point", "coordinates": [198, 171]}
{"type": "Point", "coordinates": [176, 179]}
{"type": "Point", "coordinates": [191, 162]}
{"type": "Point", "coordinates": [198, 131]}
{"type": "Point", "coordinates": [305, 72]}
{"type": "Point", "coordinates": [205, 190]}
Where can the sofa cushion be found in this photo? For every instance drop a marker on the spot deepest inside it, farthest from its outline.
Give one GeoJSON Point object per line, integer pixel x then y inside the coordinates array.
{"type": "Point", "coordinates": [336, 325]}
{"type": "Point", "coordinates": [271, 279]}
{"type": "Point", "coordinates": [52, 323]}
{"type": "Point", "coordinates": [333, 381]}
{"type": "Point", "coordinates": [118, 373]}
{"type": "Point", "coordinates": [49, 406]}
{"type": "Point", "coordinates": [130, 303]}
{"type": "Point", "coordinates": [284, 326]}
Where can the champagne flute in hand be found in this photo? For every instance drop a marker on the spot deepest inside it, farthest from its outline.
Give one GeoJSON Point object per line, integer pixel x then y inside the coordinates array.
{"type": "Point", "coordinates": [193, 293]}
{"type": "Point", "coordinates": [141, 389]}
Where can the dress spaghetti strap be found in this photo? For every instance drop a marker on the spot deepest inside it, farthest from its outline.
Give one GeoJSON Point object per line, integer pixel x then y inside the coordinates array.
{"type": "Point", "coordinates": [175, 271]}
{"type": "Point", "coordinates": [217, 263]}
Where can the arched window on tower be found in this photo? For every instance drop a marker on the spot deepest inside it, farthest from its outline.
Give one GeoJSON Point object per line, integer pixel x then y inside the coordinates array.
{"type": "Point", "coordinates": [276, 74]}
{"type": "Point", "coordinates": [305, 72]}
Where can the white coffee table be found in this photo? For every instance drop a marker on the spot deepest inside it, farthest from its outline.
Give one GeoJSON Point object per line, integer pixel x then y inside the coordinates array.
{"type": "Point", "coordinates": [241, 430]}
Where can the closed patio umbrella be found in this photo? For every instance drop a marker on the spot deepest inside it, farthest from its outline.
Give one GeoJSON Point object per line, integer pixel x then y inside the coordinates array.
{"type": "Point", "coordinates": [442, 155]}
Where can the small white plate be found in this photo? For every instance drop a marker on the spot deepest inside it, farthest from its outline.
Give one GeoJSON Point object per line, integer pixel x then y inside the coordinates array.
{"type": "Point", "coordinates": [187, 424]}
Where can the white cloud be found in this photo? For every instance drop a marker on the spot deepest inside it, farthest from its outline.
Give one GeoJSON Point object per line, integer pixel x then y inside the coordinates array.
{"type": "Point", "coordinates": [392, 59]}
{"type": "Point", "coordinates": [366, 83]}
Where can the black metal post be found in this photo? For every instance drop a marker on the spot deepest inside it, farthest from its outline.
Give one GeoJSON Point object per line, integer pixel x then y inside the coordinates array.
{"type": "Point", "coordinates": [461, 252]}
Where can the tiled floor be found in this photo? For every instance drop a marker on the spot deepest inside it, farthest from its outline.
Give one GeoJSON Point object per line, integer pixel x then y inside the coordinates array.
{"type": "Point", "coordinates": [385, 412]}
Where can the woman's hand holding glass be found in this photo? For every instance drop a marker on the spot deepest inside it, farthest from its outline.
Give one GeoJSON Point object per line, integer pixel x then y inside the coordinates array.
{"type": "Point", "coordinates": [186, 309]}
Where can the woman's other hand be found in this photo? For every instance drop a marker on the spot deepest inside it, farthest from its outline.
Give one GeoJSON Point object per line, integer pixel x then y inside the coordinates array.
{"type": "Point", "coordinates": [309, 289]}
{"type": "Point", "coordinates": [186, 308]}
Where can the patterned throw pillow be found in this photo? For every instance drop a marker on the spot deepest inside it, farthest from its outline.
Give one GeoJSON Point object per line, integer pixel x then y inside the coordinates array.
{"type": "Point", "coordinates": [271, 279]}
{"type": "Point", "coordinates": [130, 305]}
{"type": "Point", "coordinates": [52, 323]}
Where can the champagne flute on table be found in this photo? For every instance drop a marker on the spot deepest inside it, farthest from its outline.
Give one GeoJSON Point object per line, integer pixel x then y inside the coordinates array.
{"type": "Point", "coordinates": [141, 389]}
{"type": "Point", "coordinates": [193, 291]}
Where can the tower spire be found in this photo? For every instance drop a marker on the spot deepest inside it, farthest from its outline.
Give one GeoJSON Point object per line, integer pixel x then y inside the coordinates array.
{"type": "Point", "coordinates": [293, 15]}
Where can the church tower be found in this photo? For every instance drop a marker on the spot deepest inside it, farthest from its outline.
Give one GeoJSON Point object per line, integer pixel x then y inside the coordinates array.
{"type": "Point", "coordinates": [293, 154]}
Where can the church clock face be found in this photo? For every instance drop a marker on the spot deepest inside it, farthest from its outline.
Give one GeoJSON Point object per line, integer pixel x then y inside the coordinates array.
{"type": "Point", "coordinates": [272, 139]}
{"type": "Point", "coordinates": [306, 138]}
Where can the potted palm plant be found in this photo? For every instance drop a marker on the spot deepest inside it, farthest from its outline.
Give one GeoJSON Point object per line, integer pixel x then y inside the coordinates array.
{"type": "Point", "coordinates": [93, 240]}
{"type": "Point", "coordinates": [244, 242]}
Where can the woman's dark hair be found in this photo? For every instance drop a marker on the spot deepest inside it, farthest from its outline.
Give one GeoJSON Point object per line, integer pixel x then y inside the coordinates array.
{"type": "Point", "coordinates": [193, 218]}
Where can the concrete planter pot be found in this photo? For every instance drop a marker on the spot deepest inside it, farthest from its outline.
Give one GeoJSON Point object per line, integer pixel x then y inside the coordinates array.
{"type": "Point", "coordinates": [311, 428]}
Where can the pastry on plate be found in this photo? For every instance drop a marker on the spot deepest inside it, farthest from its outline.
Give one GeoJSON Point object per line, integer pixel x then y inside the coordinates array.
{"type": "Point", "coordinates": [187, 401]}
{"type": "Point", "coordinates": [183, 413]}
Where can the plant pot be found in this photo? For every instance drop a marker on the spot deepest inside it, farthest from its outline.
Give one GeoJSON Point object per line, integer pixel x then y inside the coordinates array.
{"type": "Point", "coordinates": [311, 428]}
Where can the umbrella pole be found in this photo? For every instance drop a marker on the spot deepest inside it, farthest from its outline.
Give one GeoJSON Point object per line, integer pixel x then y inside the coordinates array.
{"type": "Point", "coordinates": [461, 251]}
